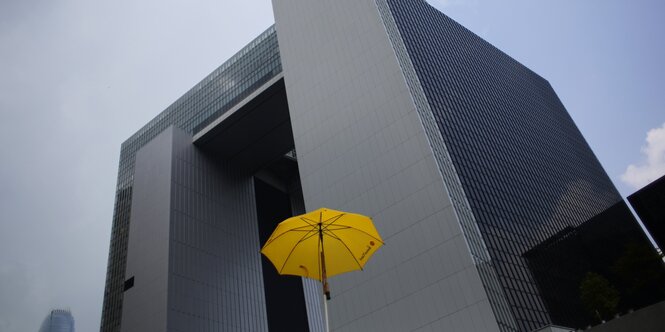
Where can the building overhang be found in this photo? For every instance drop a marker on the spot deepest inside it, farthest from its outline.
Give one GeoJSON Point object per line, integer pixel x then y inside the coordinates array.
{"type": "Point", "coordinates": [255, 132]}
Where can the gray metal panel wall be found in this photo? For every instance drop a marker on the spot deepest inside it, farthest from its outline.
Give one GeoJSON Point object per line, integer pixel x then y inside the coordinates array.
{"type": "Point", "coordinates": [215, 274]}
{"type": "Point", "coordinates": [236, 79]}
{"type": "Point", "coordinates": [362, 147]}
{"type": "Point", "coordinates": [145, 304]}
{"type": "Point", "coordinates": [193, 243]}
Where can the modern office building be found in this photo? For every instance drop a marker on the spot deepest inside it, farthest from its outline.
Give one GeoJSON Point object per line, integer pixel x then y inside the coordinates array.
{"type": "Point", "coordinates": [475, 174]}
{"type": "Point", "coordinates": [649, 203]}
{"type": "Point", "coordinates": [58, 320]}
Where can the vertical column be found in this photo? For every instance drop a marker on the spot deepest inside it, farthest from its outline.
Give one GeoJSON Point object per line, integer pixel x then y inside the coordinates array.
{"type": "Point", "coordinates": [215, 274]}
{"type": "Point", "coordinates": [362, 147]}
{"type": "Point", "coordinates": [145, 303]}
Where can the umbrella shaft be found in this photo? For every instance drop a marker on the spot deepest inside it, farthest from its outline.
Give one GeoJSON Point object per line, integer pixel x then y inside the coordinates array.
{"type": "Point", "coordinates": [324, 277]}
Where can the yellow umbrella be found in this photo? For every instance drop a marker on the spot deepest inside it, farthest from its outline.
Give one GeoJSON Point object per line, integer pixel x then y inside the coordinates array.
{"type": "Point", "coordinates": [321, 244]}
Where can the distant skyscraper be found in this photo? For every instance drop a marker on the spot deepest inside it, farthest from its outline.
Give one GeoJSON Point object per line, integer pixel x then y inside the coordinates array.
{"type": "Point", "coordinates": [492, 204]}
{"type": "Point", "coordinates": [58, 320]}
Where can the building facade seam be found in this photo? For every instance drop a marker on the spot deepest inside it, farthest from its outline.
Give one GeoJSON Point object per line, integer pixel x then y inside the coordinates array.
{"type": "Point", "coordinates": [454, 189]}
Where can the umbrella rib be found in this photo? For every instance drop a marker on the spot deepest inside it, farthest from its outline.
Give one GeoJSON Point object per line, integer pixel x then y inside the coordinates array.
{"type": "Point", "coordinates": [359, 230]}
{"type": "Point", "coordinates": [347, 248]}
{"type": "Point", "coordinates": [340, 227]}
{"type": "Point", "coordinates": [305, 237]}
{"type": "Point", "coordinates": [309, 221]}
{"type": "Point", "coordinates": [324, 221]}
{"type": "Point", "coordinates": [339, 216]}
{"type": "Point", "coordinates": [295, 229]}
{"type": "Point", "coordinates": [368, 234]}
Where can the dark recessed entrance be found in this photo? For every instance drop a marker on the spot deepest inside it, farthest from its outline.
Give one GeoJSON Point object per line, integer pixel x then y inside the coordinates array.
{"type": "Point", "coordinates": [285, 302]}
{"type": "Point", "coordinates": [256, 139]}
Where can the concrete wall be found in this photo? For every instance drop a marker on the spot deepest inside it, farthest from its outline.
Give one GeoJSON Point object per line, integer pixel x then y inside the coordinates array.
{"type": "Point", "coordinates": [362, 148]}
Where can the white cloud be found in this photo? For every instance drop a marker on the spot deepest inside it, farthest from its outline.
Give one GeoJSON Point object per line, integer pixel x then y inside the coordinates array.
{"type": "Point", "coordinates": [654, 167]}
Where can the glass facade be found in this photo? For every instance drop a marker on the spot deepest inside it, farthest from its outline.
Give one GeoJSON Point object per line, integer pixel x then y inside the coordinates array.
{"type": "Point", "coordinates": [58, 321]}
{"type": "Point", "coordinates": [649, 203]}
{"type": "Point", "coordinates": [253, 66]}
{"type": "Point", "coordinates": [522, 166]}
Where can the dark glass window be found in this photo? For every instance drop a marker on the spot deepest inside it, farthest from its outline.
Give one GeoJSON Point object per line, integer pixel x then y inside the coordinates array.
{"type": "Point", "coordinates": [129, 283]}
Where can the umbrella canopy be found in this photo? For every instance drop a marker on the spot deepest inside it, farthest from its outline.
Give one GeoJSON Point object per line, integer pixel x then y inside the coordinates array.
{"type": "Point", "coordinates": [322, 243]}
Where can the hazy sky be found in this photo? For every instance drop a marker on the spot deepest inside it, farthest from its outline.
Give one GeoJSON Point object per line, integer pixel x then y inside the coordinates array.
{"type": "Point", "coordinates": [78, 77]}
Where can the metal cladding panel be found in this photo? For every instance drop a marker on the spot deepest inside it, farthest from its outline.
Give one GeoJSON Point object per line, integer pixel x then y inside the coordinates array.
{"type": "Point", "coordinates": [362, 148]}
{"type": "Point", "coordinates": [145, 304]}
{"type": "Point", "coordinates": [215, 276]}
{"type": "Point", "coordinates": [235, 80]}
{"type": "Point", "coordinates": [193, 244]}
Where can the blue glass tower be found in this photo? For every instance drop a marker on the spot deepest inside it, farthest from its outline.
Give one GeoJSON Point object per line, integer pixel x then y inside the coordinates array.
{"type": "Point", "coordinates": [58, 321]}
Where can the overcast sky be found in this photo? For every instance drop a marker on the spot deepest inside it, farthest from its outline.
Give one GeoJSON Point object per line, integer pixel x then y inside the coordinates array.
{"type": "Point", "coordinates": [78, 77]}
